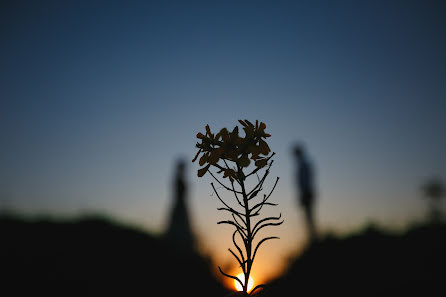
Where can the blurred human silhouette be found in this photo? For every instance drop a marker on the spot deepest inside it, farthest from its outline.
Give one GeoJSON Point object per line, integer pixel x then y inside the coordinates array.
{"type": "Point", "coordinates": [179, 229]}
{"type": "Point", "coordinates": [306, 191]}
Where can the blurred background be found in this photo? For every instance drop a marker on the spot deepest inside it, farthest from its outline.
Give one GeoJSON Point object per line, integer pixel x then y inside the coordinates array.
{"type": "Point", "coordinates": [101, 99]}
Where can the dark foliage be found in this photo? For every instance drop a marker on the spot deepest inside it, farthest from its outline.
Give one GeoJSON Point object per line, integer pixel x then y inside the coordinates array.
{"type": "Point", "coordinates": [371, 263]}
{"type": "Point", "coordinates": [94, 257]}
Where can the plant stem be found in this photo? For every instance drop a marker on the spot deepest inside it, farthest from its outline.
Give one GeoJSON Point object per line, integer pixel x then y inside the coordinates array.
{"type": "Point", "coordinates": [248, 245]}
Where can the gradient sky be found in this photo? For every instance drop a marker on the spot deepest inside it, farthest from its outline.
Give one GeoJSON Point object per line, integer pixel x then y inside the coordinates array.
{"type": "Point", "coordinates": [100, 98]}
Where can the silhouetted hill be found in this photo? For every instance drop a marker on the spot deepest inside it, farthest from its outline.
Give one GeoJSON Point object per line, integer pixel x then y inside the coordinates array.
{"type": "Point", "coordinates": [370, 263]}
{"type": "Point", "coordinates": [95, 257]}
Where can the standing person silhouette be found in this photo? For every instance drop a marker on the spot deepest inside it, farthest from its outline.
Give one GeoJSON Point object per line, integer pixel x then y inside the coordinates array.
{"type": "Point", "coordinates": [306, 192]}
{"type": "Point", "coordinates": [179, 231]}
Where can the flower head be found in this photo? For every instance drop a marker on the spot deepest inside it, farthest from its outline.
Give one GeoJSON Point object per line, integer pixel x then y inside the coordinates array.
{"type": "Point", "coordinates": [230, 146]}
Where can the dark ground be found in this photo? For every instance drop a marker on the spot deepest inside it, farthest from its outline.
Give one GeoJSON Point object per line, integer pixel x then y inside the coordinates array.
{"type": "Point", "coordinates": [371, 263]}
{"type": "Point", "coordinates": [96, 257]}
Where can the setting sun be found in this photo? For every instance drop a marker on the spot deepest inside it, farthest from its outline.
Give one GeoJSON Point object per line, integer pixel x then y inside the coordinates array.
{"type": "Point", "coordinates": [241, 276]}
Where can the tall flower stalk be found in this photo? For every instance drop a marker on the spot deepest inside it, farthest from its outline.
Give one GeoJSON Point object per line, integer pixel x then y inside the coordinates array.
{"type": "Point", "coordinates": [230, 155]}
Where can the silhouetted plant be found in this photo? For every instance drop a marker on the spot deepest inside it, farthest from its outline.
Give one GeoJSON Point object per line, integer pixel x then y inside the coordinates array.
{"type": "Point", "coordinates": [231, 155]}
{"type": "Point", "coordinates": [434, 190]}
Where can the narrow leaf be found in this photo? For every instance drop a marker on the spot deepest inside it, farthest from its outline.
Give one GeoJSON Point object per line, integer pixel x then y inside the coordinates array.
{"type": "Point", "coordinates": [203, 170]}
{"type": "Point", "coordinates": [196, 155]}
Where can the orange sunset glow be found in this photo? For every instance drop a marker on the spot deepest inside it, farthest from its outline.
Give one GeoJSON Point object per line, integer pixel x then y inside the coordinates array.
{"type": "Point", "coordinates": [241, 276]}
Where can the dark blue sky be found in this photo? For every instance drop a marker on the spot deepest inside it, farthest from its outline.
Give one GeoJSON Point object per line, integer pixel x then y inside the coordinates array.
{"type": "Point", "coordinates": [99, 98]}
